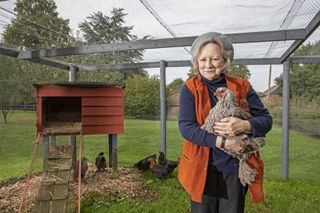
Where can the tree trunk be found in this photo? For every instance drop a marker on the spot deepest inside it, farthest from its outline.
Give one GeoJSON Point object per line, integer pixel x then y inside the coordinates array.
{"type": "Point", "coordinates": [5, 113]}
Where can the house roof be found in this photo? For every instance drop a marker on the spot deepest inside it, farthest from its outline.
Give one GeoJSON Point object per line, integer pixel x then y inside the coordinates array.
{"type": "Point", "coordinates": [270, 90]}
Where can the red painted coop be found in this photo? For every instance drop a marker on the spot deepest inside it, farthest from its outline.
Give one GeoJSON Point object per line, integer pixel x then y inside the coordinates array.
{"type": "Point", "coordinates": [71, 108]}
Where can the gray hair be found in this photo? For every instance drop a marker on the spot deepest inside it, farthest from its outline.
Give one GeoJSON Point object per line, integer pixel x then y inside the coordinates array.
{"type": "Point", "coordinates": [221, 40]}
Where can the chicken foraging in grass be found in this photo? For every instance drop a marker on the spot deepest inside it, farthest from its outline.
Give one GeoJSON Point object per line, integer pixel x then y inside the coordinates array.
{"type": "Point", "coordinates": [170, 164]}
{"type": "Point", "coordinates": [100, 162]}
{"type": "Point", "coordinates": [228, 107]}
{"type": "Point", "coordinates": [84, 168]}
{"type": "Point", "coordinates": [158, 171]}
{"type": "Point", "coordinates": [144, 164]}
{"type": "Point", "coordinates": [163, 168]}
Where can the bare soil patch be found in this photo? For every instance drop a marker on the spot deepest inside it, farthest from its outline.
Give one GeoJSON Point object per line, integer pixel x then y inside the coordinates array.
{"type": "Point", "coordinates": [129, 184]}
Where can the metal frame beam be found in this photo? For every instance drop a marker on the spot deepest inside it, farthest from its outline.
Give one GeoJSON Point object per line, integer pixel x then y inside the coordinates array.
{"type": "Point", "coordinates": [312, 26]}
{"type": "Point", "coordinates": [53, 63]}
{"type": "Point", "coordinates": [130, 66]}
{"type": "Point", "coordinates": [305, 59]}
{"type": "Point", "coordinates": [185, 63]}
{"type": "Point", "coordinates": [280, 35]}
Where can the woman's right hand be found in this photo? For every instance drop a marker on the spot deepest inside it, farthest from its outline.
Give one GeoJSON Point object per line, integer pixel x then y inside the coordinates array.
{"type": "Point", "coordinates": [230, 144]}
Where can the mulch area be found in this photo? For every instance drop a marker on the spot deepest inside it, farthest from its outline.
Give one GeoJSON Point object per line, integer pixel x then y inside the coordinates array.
{"type": "Point", "coordinates": [129, 184]}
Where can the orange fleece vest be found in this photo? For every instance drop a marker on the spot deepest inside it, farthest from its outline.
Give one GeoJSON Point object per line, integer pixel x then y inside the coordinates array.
{"type": "Point", "coordinates": [194, 159]}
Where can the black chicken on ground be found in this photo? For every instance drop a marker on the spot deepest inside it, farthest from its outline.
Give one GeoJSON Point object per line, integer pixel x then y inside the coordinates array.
{"type": "Point", "coordinates": [101, 162]}
{"type": "Point", "coordinates": [170, 164]}
{"type": "Point", "coordinates": [163, 168]}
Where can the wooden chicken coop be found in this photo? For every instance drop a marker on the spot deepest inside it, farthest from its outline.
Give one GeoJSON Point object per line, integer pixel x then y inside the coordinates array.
{"type": "Point", "coordinates": [86, 108]}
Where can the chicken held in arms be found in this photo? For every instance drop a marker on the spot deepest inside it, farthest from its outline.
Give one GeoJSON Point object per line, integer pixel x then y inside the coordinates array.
{"type": "Point", "coordinates": [227, 107]}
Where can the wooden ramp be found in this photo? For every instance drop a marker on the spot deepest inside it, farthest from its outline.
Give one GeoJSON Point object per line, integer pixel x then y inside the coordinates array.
{"type": "Point", "coordinates": [53, 192]}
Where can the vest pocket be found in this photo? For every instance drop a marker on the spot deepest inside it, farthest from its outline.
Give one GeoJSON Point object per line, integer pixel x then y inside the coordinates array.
{"type": "Point", "coordinates": [190, 151]}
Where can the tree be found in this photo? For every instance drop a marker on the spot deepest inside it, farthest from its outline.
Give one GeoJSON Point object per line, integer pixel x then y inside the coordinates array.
{"type": "Point", "coordinates": [304, 78]}
{"type": "Point", "coordinates": [37, 25]}
{"type": "Point", "coordinates": [99, 28]}
{"type": "Point", "coordinates": [239, 71]}
{"type": "Point", "coordinates": [11, 92]}
{"type": "Point", "coordinates": [142, 97]}
{"type": "Point", "coordinates": [175, 86]}
{"type": "Point", "coordinates": [191, 73]}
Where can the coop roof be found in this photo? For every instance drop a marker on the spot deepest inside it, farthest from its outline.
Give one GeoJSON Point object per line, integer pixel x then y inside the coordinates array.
{"type": "Point", "coordinates": [79, 84]}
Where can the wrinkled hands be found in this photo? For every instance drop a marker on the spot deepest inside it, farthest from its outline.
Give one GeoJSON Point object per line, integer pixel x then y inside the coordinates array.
{"type": "Point", "coordinates": [229, 127]}
{"type": "Point", "coordinates": [231, 144]}
{"type": "Point", "coordinates": [232, 126]}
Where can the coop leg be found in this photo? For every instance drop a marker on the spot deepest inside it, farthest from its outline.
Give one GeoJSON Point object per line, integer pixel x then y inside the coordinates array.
{"type": "Point", "coordinates": [72, 142]}
{"type": "Point", "coordinates": [113, 154]}
{"type": "Point", "coordinates": [45, 140]}
{"type": "Point", "coordinates": [53, 140]}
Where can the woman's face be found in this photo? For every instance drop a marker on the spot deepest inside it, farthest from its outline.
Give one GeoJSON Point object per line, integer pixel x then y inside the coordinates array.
{"type": "Point", "coordinates": [211, 62]}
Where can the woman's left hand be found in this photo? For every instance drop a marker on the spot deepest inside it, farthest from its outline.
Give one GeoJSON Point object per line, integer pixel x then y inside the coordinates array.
{"type": "Point", "coordinates": [232, 126]}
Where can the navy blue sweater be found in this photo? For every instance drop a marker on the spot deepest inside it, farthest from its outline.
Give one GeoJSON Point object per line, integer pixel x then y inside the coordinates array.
{"type": "Point", "coordinates": [261, 123]}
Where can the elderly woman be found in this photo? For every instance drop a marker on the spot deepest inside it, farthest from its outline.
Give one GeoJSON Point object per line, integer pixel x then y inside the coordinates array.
{"type": "Point", "coordinates": [208, 174]}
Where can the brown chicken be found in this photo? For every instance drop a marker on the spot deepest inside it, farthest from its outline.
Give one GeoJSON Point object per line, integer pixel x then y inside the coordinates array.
{"type": "Point", "coordinates": [84, 168]}
{"type": "Point", "coordinates": [227, 107]}
{"type": "Point", "coordinates": [144, 164]}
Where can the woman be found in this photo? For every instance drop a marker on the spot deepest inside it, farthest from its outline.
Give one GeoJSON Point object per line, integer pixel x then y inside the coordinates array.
{"type": "Point", "coordinates": [208, 174]}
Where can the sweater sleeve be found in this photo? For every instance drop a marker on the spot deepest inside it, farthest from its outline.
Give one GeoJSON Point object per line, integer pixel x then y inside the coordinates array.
{"type": "Point", "coordinates": [261, 120]}
{"type": "Point", "coordinates": [188, 125]}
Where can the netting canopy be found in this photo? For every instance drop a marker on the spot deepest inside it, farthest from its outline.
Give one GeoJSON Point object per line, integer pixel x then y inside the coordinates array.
{"type": "Point", "coordinates": [182, 18]}
{"type": "Point", "coordinates": [267, 29]}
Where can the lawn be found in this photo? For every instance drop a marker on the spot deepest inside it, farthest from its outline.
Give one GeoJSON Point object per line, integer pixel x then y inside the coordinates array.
{"type": "Point", "coordinates": [141, 138]}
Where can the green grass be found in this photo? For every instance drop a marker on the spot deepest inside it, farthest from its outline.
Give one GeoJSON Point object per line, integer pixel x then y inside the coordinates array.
{"type": "Point", "coordinates": [141, 138]}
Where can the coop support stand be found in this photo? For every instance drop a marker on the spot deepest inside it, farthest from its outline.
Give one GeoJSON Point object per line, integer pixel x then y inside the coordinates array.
{"type": "Point", "coordinates": [45, 140]}
{"type": "Point", "coordinates": [53, 140]}
{"type": "Point", "coordinates": [113, 154]}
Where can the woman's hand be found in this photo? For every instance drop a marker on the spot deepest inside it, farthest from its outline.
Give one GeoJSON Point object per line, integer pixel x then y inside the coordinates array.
{"type": "Point", "coordinates": [232, 126]}
{"type": "Point", "coordinates": [235, 146]}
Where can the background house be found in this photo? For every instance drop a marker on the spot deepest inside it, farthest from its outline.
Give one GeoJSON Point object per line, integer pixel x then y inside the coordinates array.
{"type": "Point", "coordinates": [272, 96]}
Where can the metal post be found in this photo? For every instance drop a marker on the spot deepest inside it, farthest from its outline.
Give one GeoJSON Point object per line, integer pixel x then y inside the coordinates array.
{"type": "Point", "coordinates": [114, 154]}
{"type": "Point", "coordinates": [72, 73]}
{"type": "Point", "coordinates": [285, 118]}
{"type": "Point", "coordinates": [45, 140]}
{"type": "Point", "coordinates": [72, 138]}
{"type": "Point", "coordinates": [163, 115]}
{"type": "Point", "coordinates": [269, 83]}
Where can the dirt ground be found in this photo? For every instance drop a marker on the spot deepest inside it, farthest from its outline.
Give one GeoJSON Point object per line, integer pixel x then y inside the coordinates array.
{"type": "Point", "coordinates": [129, 184]}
